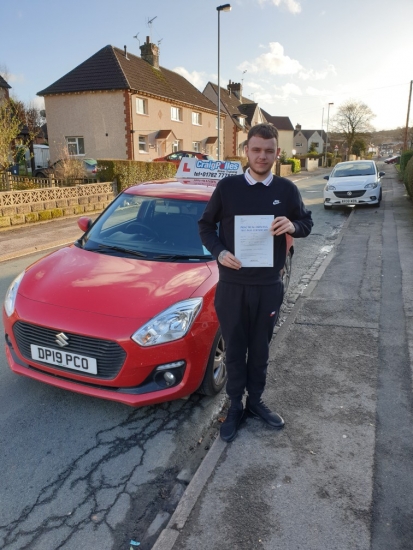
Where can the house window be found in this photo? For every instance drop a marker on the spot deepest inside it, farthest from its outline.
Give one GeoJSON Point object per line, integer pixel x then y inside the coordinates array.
{"type": "Point", "coordinates": [143, 144]}
{"type": "Point", "coordinates": [316, 144]}
{"type": "Point", "coordinates": [241, 121]}
{"type": "Point", "coordinates": [176, 146]}
{"type": "Point", "coordinates": [197, 119]}
{"type": "Point", "coordinates": [141, 106]}
{"type": "Point", "coordinates": [75, 146]}
{"type": "Point", "coordinates": [176, 113]}
{"type": "Point", "coordinates": [298, 144]}
{"type": "Point", "coordinates": [216, 123]}
{"type": "Point", "coordinates": [196, 146]}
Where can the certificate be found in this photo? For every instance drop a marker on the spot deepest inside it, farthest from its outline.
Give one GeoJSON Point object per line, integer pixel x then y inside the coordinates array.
{"type": "Point", "coordinates": [254, 244]}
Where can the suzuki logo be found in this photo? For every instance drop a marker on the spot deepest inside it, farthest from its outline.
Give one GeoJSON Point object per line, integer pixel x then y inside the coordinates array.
{"type": "Point", "coordinates": [62, 339]}
{"type": "Point", "coordinates": [349, 193]}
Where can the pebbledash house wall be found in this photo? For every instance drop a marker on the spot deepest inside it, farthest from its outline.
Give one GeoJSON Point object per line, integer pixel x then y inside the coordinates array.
{"type": "Point", "coordinates": [24, 207]}
{"type": "Point", "coordinates": [158, 118]}
{"type": "Point", "coordinates": [98, 117]}
{"type": "Point", "coordinates": [285, 141]}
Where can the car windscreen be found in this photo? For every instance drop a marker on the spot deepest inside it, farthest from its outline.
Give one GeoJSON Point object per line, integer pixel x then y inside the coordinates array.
{"type": "Point", "coordinates": [150, 227]}
{"type": "Point", "coordinates": [356, 169]}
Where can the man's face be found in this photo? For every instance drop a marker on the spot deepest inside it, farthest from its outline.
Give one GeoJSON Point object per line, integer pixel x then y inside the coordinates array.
{"type": "Point", "coordinates": [261, 154]}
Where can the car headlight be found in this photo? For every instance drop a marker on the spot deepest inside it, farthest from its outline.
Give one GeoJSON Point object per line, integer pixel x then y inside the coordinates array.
{"type": "Point", "coordinates": [330, 187]}
{"type": "Point", "coordinates": [172, 324]}
{"type": "Point", "coordinates": [11, 294]}
{"type": "Point", "coordinates": [371, 185]}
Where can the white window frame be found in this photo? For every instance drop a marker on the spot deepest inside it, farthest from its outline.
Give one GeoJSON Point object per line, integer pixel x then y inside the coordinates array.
{"type": "Point", "coordinates": [241, 120]}
{"type": "Point", "coordinates": [216, 123]}
{"type": "Point", "coordinates": [141, 106]}
{"type": "Point", "coordinates": [143, 140]}
{"type": "Point", "coordinates": [176, 146]}
{"type": "Point", "coordinates": [196, 118]}
{"type": "Point", "coordinates": [78, 142]}
{"type": "Point", "coordinates": [299, 144]}
{"type": "Point", "coordinates": [196, 146]}
{"type": "Point", "coordinates": [176, 114]}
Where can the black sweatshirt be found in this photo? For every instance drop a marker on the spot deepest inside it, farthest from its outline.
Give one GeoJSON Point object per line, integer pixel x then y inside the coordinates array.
{"type": "Point", "coordinates": [233, 196]}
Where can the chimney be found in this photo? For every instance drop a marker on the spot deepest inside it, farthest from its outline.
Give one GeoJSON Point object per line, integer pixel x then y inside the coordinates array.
{"type": "Point", "coordinates": [150, 53]}
{"type": "Point", "coordinates": [236, 89]}
{"type": "Point", "coordinates": [298, 127]}
{"type": "Point", "coordinates": [126, 53]}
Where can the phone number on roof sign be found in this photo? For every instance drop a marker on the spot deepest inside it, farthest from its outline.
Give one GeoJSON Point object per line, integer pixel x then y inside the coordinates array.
{"type": "Point", "coordinates": [214, 174]}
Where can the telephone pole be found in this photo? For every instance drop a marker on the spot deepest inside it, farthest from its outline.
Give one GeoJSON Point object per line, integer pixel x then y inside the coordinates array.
{"type": "Point", "coordinates": [407, 120]}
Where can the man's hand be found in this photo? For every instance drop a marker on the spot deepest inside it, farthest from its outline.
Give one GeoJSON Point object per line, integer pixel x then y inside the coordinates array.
{"type": "Point", "coordinates": [281, 225]}
{"type": "Point", "coordinates": [228, 260]}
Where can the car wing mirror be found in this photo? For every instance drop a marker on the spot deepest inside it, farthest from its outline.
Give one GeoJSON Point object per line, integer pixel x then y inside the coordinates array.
{"type": "Point", "coordinates": [326, 177]}
{"type": "Point", "coordinates": [84, 223]}
{"type": "Point", "coordinates": [381, 174]}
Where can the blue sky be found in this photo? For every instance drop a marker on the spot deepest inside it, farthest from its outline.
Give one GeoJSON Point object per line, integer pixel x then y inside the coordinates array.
{"type": "Point", "coordinates": [298, 55]}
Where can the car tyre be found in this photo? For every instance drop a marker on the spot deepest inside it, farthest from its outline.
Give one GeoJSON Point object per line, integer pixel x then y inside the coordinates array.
{"type": "Point", "coordinates": [216, 371]}
{"type": "Point", "coordinates": [328, 207]}
{"type": "Point", "coordinates": [40, 175]}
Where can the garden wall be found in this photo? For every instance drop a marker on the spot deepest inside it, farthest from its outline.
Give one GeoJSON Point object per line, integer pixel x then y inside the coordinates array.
{"type": "Point", "coordinates": [23, 207]}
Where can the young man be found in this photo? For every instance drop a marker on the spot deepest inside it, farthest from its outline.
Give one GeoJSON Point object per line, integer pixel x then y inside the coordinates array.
{"type": "Point", "coordinates": [247, 299]}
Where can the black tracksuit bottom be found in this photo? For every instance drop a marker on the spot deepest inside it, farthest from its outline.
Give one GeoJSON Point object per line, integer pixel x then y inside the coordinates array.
{"type": "Point", "coordinates": [247, 315]}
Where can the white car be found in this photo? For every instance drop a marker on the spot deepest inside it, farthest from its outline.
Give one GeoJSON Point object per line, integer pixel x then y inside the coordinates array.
{"type": "Point", "coordinates": [353, 182]}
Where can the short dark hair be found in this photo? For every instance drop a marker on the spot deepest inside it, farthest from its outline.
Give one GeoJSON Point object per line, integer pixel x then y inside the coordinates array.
{"type": "Point", "coordinates": [264, 130]}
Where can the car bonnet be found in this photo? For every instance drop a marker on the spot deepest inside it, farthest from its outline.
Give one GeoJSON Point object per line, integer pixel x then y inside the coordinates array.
{"type": "Point", "coordinates": [77, 279]}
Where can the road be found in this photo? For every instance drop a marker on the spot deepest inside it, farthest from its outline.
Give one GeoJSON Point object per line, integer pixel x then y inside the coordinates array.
{"type": "Point", "coordinates": [86, 473]}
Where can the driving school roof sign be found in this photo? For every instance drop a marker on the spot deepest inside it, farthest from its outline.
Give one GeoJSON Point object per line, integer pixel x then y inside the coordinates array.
{"type": "Point", "coordinates": [208, 169]}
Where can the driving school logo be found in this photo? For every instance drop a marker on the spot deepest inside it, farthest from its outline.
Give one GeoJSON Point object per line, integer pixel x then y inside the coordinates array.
{"type": "Point", "coordinates": [276, 202]}
{"type": "Point", "coordinates": [217, 165]}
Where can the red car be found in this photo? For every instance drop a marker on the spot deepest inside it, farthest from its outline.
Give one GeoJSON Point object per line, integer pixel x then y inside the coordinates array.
{"type": "Point", "coordinates": [126, 313]}
{"type": "Point", "coordinates": [179, 155]}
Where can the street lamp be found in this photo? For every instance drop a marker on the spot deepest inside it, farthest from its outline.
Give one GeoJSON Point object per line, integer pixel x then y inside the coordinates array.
{"type": "Point", "coordinates": [224, 7]}
{"type": "Point", "coordinates": [328, 117]}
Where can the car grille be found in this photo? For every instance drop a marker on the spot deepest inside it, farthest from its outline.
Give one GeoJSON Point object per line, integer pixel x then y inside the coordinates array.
{"type": "Point", "coordinates": [109, 356]}
{"type": "Point", "coordinates": [345, 194]}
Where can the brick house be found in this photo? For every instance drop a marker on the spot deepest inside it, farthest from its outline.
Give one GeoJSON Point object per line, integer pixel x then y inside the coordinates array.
{"type": "Point", "coordinates": [285, 132]}
{"type": "Point", "coordinates": [241, 114]}
{"type": "Point", "coordinates": [118, 105]}
{"type": "Point", "coordinates": [304, 138]}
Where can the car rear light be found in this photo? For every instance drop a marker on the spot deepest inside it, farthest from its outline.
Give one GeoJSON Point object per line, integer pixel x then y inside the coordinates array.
{"type": "Point", "coordinates": [94, 171]}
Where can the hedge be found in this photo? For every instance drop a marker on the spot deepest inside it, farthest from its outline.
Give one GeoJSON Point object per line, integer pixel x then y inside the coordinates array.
{"type": "Point", "coordinates": [408, 177]}
{"type": "Point", "coordinates": [295, 165]}
{"type": "Point", "coordinates": [130, 172]}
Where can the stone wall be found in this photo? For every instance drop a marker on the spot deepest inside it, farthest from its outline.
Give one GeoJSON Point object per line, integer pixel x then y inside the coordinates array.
{"type": "Point", "coordinates": [22, 207]}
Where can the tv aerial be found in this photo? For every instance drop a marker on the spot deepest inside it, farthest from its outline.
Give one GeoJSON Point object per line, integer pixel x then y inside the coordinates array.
{"type": "Point", "coordinates": [150, 21]}
{"type": "Point", "coordinates": [136, 36]}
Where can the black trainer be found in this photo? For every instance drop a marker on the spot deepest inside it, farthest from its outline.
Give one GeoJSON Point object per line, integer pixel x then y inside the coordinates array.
{"type": "Point", "coordinates": [229, 427]}
{"type": "Point", "coordinates": [261, 410]}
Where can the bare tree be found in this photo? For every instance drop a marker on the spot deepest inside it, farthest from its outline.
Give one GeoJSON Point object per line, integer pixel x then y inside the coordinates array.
{"type": "Point", "coordinates": [353, 120]}
{"type": "Point", "coordinates": [31, 122]}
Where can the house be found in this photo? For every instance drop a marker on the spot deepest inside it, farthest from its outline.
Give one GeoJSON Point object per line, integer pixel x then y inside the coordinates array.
{"type": "Point", "coordinates": [241, 114]}
{"type": "Point", "coordinates": [119, 105]}
{"type": "Point", "coordinates": [285, 132]}
{"type": "Point", "coordinates": [4, 89]}
{"type": "Point", "coordinates": [304, 138]}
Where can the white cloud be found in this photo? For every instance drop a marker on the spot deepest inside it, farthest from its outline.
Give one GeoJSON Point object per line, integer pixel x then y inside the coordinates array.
{"type": "Point", "coordinates": [12, 78]}
{"type": "Point", "coordinates": [292, 5]}
{"type": "Point", "coordinates": [198, 79]}
{"type": "Point", "coordinates": [311, 74]}
{"type": "Point", "coordinates": [274, 62]}
{"type": "Point", "coordinates": [315, 92]}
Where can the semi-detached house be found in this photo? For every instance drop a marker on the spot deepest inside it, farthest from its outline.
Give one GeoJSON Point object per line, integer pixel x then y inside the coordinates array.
{"type": "Point", "coordinates": [119, 105]}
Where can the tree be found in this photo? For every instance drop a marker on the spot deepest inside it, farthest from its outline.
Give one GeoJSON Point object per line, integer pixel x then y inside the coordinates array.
{"type": "Point", "coordinates": [10, 125]}
{"type": "Point", "coordinates": [359, 146]}
{"type": "Point", "coordinates": [313, 147]}
{"type": "Point", "coordinates": [353, 120]}
{"type": "Point", "coordinates": [31, 122]}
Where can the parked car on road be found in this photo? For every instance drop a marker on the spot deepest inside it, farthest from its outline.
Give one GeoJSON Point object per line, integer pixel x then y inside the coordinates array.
{"type": "Point", "coordinates": [393, 160]}
{"type": "Point", "coordinates": [353, 182]}
{"type": "Point", "coordinates": [126, 313]}
{"type": "Point", "coordinates": [179, 155]}
{"type": "Point", "coordinates": [62, 168]}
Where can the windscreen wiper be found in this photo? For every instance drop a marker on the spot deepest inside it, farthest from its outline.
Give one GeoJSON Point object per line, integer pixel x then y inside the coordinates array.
{"type": "Point", "coordinates": [181, 257]}
{"type": "Point", "coordinates": [120, 249]}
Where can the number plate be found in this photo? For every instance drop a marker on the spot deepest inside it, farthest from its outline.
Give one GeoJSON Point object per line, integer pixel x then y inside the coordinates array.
{"type": "Point", "coordinates": [349, 200]}
{"type": "Point", "coordinates": [65, 359]}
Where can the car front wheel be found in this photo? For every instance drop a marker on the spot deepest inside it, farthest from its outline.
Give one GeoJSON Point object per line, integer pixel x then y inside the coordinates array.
{"type": "Point", "coordinates": [328, 207]}
{"type": "Point", "coordinates": [216, 371]}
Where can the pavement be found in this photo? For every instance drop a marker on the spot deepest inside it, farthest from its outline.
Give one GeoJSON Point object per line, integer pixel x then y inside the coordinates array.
{"type": "Point", "coordinates": [340, 475]}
